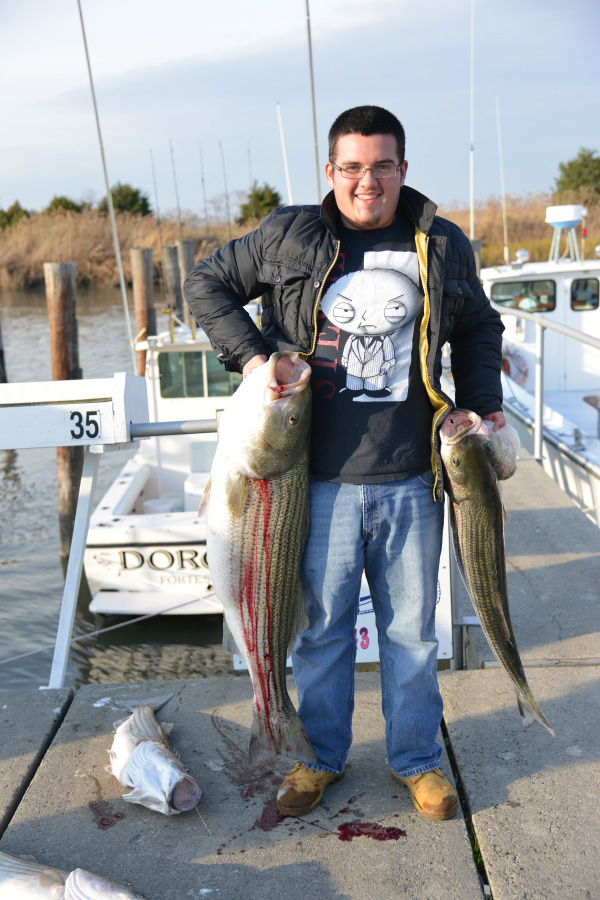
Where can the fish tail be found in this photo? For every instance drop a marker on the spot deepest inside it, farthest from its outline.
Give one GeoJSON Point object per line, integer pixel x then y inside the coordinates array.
{"type": "Point", "coordinates": [155, 703]}
{"type": "Point", "coordinates": [287, 738]}
{"type": "Point", "coordinates": [530, 712]}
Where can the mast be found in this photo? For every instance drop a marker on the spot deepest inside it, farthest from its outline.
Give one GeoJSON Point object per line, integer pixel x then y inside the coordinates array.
{"type": "Point", "coordinates": [111, 210]}
{"type": "Point", "coordinates": [504, 225]}
{"type": "Point", "coordinates": [314, 111]}
{"type": "Point", "coordinates": [472, 130]}
{"type": "Point", "coordinates": [285, 161]}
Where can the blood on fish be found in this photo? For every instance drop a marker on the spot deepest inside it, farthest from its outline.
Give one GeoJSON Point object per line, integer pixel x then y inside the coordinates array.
{"type": "Point", "coordinates": [262, 663]}
{"type": "Point", "coordinates": [350, 830]}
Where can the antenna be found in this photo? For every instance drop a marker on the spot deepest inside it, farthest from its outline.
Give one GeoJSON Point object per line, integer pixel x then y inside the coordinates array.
{"type": "Point", "coordinates": [252, 196]}
{"type": "Point", "coordinates": [109, 200]}
{"type": "Point", "coordinates": [504, 225]}
{"type": "Point", "coordinates": [285, 162]}
{"type": "Point", "coordinates": [203, 188]}
{"type": "Point", "coordinates": [226, 191]}
{"type": "Point", "coordinates": [176, 191]}
{"type": "Point", "coordinates": [314, 112]}
{"type": "Point", "coordinates": [158, 219]}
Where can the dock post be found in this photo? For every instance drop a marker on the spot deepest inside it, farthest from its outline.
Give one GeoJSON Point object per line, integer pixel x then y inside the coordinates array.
{"type": "Point", "coordinates": [64, 348]}
{"type": "Point", "coordinates": [3, 376]}
{"type": "Point", "coordinates": [143, 298]}
{"type": "Point", "coordinates": [172, 279]}
{"type": "Point", "coordinates": [185, 257]}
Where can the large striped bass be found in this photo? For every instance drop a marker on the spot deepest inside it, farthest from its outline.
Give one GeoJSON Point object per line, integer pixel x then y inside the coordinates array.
{"type": "Point", "coordinates": [475, 458]}
{"type": "Point", "coordinates": [25, 879]}
{"type": "Point", "coordinates": [257, 524]}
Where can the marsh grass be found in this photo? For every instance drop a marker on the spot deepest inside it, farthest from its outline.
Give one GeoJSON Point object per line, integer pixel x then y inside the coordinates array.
{"type": "Point", "coordinates": [85, 238]}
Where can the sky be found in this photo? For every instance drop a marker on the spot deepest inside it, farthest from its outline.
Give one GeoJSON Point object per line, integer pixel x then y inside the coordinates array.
{"type": "Point", "coordinates": [205, 79]}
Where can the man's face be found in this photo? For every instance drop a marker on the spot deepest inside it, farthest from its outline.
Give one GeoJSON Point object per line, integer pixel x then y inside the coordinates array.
{"type": "Point", "coordinates": [366, 203]}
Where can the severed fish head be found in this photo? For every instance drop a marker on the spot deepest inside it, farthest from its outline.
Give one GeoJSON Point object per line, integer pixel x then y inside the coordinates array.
{"type": "Point", "coordinates": [266, 426]}
{"type": "Point", "coordinates": [473, 453]}
{"type": "Point", "coordinates": [158, 780]}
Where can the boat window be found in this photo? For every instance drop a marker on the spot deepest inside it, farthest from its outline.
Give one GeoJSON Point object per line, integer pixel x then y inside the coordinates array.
{"type": "Point", "coordinates": [183, 375]}
{"type": "Point", "coordinates": [530, 296]}
{"type": "Point", "coordinates": [220, 382]}
{"type": "Point", "coordinates": [584, 294]}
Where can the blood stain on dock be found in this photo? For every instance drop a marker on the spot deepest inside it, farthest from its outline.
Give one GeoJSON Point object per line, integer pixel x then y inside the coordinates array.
{"type": "Point", "coordinates": [349, 830]}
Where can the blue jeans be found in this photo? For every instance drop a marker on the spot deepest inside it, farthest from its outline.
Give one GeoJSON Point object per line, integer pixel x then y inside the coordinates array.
{"type": "Point", "coordinates": [393, 531]}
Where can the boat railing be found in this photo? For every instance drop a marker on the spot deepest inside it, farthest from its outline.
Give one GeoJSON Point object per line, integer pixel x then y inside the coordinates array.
{"type": "Point", "coordinates": [541, 324]}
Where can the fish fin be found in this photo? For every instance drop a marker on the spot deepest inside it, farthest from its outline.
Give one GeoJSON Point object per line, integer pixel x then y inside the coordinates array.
{"type": "Point", "coordinates": [530, 712]}
{"type": "Point", "coordinates": [155, 703]}
{"type": "Point", "coordinates": [229, 642]}
{"type": "Point", "coordinates": [290, 740]}
{"type": "Point", "coordinates": [205, 497]}
{"type": "Point", "coordinates": [167, 727]}
{"type": "Point", "coordinates": [236, 486]}
{"type": "Point", "coordinates": [108, 769]}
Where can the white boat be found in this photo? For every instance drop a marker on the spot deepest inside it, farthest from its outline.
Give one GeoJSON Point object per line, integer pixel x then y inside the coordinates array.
{"type": "Point", "coordinates": [562, 292]}
{"type": "Point", "coordinates": [146, 545]}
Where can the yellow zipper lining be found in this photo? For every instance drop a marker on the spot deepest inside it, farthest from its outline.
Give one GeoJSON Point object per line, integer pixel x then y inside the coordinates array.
{"type": "Point", "coordinates": [438, 403]}
{"type": "Point", "coordinates": [318, 301]}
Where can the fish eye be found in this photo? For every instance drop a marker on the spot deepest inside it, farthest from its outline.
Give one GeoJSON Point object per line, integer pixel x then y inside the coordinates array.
{"type": "Point", "coordinates": [455, 461]}
{"type": "Point", "coordinates": [489, 446]}
{"type": "Point", "coordinates": [293, 419]}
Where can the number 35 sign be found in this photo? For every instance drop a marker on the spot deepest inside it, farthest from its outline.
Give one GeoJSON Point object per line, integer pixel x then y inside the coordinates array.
{"type": "Point", "coordinates": [71, 413]}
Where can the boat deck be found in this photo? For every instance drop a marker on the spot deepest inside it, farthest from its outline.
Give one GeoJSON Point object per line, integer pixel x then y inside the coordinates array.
{"type": "Point", "coordinates": [529, 801]}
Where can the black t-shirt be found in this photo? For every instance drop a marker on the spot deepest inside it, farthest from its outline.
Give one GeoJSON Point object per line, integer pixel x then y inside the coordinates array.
{"type": "Point", "coordinates": [371, 414]}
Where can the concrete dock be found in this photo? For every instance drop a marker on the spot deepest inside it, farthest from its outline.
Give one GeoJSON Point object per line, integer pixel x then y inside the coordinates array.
{"type": "Point", "coordinates": [529, 824]}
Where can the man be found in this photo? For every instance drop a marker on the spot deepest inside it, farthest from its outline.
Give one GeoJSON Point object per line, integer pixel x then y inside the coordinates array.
{"type": "Point", "coordinates": [368, 288]}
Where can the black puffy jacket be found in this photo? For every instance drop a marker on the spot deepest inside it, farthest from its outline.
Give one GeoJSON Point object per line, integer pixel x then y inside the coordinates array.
{"type": "Point", "coordinates": [286, 261]}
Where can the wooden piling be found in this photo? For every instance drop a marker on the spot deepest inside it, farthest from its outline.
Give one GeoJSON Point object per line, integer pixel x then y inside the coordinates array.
{"type": "Point", "coordinates": [3, 376]}
{"type": "Point", "coordinates": [172, 279]}
{"type": "Point", "coordinates": [143, 298]}
{"type": "Point", "coordinates": [64, 348]}
{"type": "Point", "coordinates": [185, 257]}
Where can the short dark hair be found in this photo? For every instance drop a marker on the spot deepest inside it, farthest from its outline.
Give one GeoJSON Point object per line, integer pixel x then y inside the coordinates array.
{"type": "Point", "coordinates": [367, 120]}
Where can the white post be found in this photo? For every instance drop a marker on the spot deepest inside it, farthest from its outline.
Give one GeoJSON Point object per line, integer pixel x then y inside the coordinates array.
{"type": "Point", "coordinates": [74, 569]}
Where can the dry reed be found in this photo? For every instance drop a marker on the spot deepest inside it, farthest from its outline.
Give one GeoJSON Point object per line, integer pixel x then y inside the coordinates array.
{"type": "Point", "coordinates": [85, 238]}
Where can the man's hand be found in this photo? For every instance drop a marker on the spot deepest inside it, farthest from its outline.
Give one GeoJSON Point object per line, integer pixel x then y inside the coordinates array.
{"type": "Point", "coordinates": [254, 363]}
{"type": "Point", "coordinates": [497, 418]}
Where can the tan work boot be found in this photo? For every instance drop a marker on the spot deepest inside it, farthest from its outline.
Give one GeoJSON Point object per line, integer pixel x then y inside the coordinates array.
{"type": "Point", "coordinates": [302, 790]}
{"type": "Point", "coordinates": [432, 794]}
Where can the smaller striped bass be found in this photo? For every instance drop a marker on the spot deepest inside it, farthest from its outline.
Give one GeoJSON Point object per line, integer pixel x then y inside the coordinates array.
{"type": "Point", "coordinates": [141, 759]}
{"type": "Point", "coordinates": [475, 458]}
{"type": "Point", "coordinates": [24, 879]}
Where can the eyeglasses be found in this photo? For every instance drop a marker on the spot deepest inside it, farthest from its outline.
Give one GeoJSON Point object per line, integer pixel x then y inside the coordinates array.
{"type": "Point", "coordinates": [354, 172]}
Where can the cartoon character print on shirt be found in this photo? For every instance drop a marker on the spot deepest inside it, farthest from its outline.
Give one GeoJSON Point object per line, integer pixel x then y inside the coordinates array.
{"type": "Point", "coordinates": [377, 307]}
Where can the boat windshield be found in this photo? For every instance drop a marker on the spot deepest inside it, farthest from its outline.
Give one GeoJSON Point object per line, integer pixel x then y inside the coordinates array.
{"type": "Point", "coordinates": [194, 373]}
{"type": "Point", "coordinates": [531, 296]}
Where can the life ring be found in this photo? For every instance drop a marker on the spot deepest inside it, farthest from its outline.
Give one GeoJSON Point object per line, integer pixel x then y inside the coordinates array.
{"type": "Point", "coordinates": [514, 365]}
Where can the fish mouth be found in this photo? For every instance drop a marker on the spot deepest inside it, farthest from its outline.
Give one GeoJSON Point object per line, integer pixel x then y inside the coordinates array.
{"type": "Point", "coordinates": [459, 423]}
{"type": "Point", "coordinates": [287, 375]}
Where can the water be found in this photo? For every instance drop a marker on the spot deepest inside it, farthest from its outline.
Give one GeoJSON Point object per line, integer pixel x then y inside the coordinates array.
{"type": "Point", "coordinates": [31, 573]}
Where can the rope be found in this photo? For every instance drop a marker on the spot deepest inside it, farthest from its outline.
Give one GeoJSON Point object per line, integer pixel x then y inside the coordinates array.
{"type": "Point", "coordinates": [85, 637]}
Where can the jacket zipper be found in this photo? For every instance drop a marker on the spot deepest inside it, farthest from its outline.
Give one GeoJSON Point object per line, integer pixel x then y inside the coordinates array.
{"type": "Point", "coordinates": [439, 404]}
{"type": "Point", "coordinates": [310, 352]}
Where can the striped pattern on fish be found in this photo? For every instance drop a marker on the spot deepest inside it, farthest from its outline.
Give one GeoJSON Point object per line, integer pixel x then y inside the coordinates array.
{"type": "Point", "coordinates": [475, 458]}
{"type": "Point", "coordinates": [258, 513]}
